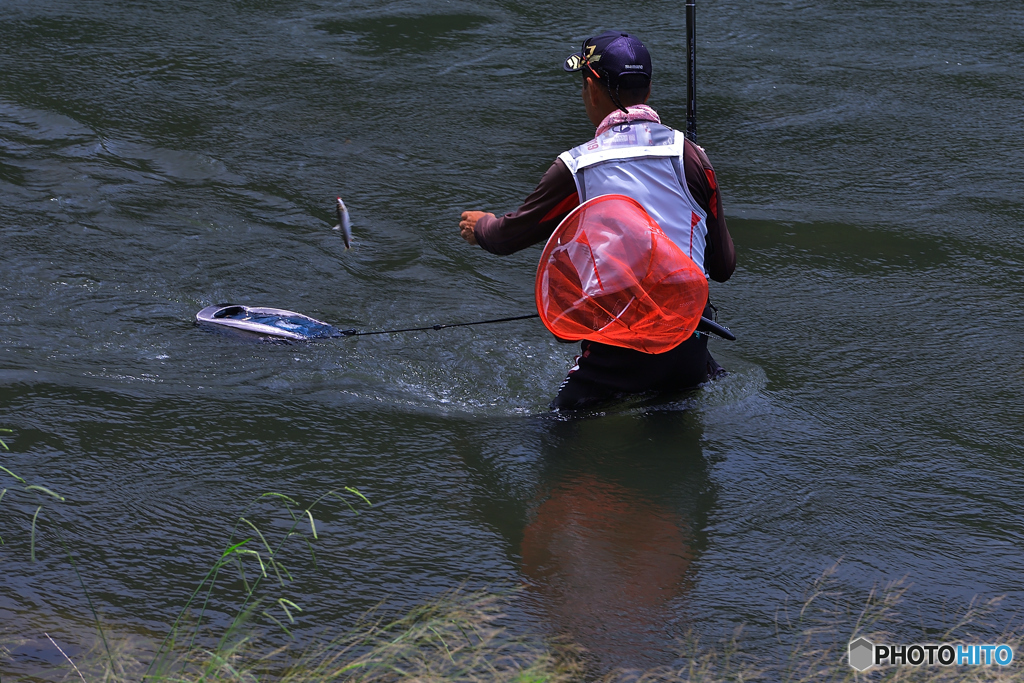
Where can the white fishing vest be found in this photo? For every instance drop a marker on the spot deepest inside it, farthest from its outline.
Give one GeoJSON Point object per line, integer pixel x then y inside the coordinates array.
{"type": "Point", "coordinates": [643, 160]}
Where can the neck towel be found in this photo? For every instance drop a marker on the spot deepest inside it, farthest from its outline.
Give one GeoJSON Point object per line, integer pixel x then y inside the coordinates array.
{"type": "Point", "coordinates": [638, 112]}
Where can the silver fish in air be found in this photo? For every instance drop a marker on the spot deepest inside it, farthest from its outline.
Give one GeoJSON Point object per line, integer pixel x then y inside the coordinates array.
{"type": "Point", "coordinates": [343, 224]}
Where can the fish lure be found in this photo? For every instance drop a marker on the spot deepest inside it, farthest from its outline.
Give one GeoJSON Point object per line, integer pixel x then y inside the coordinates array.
{"type": "Point", "coordinates": [343, 224]}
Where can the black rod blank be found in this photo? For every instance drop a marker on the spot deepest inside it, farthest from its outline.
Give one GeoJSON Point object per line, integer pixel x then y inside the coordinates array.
{"type": "Point", "coordinates": [691, 70]}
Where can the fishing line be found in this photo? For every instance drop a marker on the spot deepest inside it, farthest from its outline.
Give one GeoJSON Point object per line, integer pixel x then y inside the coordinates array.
{"type": "Point", "coordinates": [356, 333]}
{"type": "Point", "coordinates": [706, 325]}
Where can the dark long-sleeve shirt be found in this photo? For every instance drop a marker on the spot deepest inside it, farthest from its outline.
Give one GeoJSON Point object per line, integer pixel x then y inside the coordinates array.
{"type": "Point", "coordinates": [556, 196]}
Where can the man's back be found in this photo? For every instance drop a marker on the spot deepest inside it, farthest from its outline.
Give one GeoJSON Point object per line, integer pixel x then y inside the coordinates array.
{"type": "Point", "coordinates": [643, 160]}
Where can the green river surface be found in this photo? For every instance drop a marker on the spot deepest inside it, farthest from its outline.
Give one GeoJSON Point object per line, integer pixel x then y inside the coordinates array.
{"type": "Point", "coordinates": [156, 158]}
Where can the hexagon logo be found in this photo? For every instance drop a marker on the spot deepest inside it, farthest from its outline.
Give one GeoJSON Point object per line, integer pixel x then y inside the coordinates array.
{"type": "Point", "coordinates": [862, 654]}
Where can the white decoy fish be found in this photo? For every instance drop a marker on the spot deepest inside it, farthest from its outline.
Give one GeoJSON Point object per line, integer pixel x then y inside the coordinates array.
{"type": "Point", "coordinates": [343, 224]}
{"type": "Point", "coordinates": [266, 323]}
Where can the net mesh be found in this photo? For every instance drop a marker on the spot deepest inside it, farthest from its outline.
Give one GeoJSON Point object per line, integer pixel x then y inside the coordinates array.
{"type": "Point", "coordinates": [610, 274]}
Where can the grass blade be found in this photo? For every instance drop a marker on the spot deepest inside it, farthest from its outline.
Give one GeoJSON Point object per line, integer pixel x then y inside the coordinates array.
{"type": "Point", "coordinates": [284, 628]}
{"type": "Point", "coordinates": [65, 657]}
{"type": "Point", "coordinates": [35, 487]}
{"type": "Point", "coordinates": [279, 495]}
{"type": "Point", "coordinates": [233, 548]}
{"type": "Point", "coordinates": [358, 493]}
{"type": "Point", "coordinates": [285, 603]}
{"type": "Point", "coordinates": [258, 533]}
{"type": "Point", "coordinates": [13, 474]}
{"type": "Point", "coordinates": [32, 542]}
{"type": "Point", "coordinates": [312, 524]}
{"type": "Point", "coordinates": [85, 591]}
{"type": "Point", "coordinates": [259, 558]}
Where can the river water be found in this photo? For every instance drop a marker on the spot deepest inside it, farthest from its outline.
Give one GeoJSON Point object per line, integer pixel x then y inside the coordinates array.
{"type": "Point", "coordinates": [156, 158]}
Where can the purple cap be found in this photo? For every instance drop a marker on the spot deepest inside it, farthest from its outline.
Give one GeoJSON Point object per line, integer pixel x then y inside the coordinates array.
{"type": "Point", "coordinates": [614, 55]}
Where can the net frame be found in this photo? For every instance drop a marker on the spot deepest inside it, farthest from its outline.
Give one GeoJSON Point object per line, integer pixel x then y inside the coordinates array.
{"type": "Point", "coordinates": [610, 274]}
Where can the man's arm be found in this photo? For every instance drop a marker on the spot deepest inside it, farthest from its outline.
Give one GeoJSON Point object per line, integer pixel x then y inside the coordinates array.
{"type": "Point", "coordinates": [720, 253]}
{"type": "Point", "coordinates": [533, 222]}
{"type": "Point", "coordinates": [556, 195]}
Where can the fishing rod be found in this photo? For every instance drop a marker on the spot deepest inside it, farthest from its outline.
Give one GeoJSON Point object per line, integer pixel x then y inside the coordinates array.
{"type": "Point", "coordinates": [691, 70]}
{"type": "Point", "coordinates": [691, 128]}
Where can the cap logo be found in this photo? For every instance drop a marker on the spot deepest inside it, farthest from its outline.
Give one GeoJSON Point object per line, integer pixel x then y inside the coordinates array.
{"type": "Point", "coordinates": [634, 66]}
{"type": "Point", "coordinates": [573, 62]}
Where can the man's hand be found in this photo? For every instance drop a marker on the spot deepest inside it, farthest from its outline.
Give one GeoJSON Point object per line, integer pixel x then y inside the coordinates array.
{"type": "Point", "coordinates": [468, 222]}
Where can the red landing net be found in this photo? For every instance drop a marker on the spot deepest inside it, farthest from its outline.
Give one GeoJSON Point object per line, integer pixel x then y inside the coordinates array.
{"type": "Point", "coordinates": [609, 274]}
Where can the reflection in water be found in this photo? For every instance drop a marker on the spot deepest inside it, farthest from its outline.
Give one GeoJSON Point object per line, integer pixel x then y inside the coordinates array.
{"type": "Point", "coordinates": [609, 546]}
{"type": "Point", "coordinates": [609, 564]}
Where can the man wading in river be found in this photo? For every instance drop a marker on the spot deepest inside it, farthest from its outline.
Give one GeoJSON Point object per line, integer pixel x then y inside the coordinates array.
{"type": "Point", "coordinates": [679, 190]}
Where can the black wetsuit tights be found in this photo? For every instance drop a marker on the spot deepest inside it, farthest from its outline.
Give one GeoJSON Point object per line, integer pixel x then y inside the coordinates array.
{"type": "Point", "coordinates": [604, 371]}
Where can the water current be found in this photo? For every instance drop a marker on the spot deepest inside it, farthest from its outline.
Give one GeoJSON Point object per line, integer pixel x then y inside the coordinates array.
{"type": "Point", "coordinates": [157, 158]}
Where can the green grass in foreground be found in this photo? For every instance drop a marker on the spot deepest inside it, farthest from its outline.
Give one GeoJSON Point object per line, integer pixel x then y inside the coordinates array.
{"type": "Point", "coordinates": [461, 638]}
